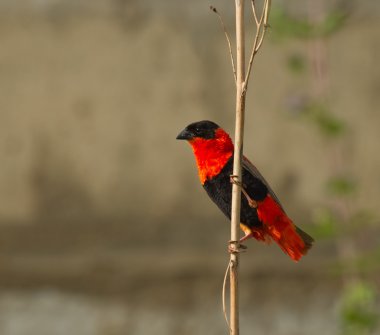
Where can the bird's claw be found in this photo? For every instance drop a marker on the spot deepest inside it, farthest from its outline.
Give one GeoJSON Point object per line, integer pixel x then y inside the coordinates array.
{"type": "Point", "coordinates": [235, 180]}
{"type": "Point", "coordinates": [235, 247]}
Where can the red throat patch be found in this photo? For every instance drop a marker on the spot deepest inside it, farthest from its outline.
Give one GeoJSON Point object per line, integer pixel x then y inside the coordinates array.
{"type": "Point", "coordinates": [212, 154]}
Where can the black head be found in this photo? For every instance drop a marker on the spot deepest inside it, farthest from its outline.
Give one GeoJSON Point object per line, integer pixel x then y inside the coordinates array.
{"type": "Point", "coordinates": [203, 129]}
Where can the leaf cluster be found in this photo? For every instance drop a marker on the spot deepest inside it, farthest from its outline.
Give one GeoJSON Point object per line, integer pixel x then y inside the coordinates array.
{"type": "Point", "coordinates": [358, 312]}
{"type": "Point", "coordinates": [328, 124]}
{"type": "Point", "coordinates": [287, 26]}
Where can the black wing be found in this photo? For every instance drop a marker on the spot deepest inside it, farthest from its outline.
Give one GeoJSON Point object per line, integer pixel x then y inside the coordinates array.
{"type": "Point", "coordinates": [256, 173]}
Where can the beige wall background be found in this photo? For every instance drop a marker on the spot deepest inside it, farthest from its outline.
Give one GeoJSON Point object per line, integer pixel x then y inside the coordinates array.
{"type": "Point", "coordinates": [92, 99]}
{"type": "Point", "coordinates": [103, 224]}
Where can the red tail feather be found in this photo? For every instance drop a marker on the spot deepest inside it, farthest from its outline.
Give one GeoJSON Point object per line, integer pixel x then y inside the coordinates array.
{"type": "Point", "coordinates": [281, 229]}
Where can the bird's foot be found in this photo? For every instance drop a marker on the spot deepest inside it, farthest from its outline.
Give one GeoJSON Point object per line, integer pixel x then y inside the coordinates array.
{"type": "Point", "coordinates": [235, 180]}
{"type": "Point", "coordinates": [235, 247]}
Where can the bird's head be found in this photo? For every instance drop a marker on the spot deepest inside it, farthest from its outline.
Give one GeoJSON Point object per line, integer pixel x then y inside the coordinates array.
{"type": "Point", "coordinates": [202, 130]}
{"type": "Point", "coordinates": [211, 145]}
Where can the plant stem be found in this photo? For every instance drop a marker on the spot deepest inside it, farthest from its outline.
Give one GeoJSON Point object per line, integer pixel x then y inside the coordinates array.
{"type": "Point", "coordinates": [236, 189]}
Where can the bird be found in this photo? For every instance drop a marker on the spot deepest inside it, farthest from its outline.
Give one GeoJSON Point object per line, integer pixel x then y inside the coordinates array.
{"type": "Point", "coordinates": [262, 216]}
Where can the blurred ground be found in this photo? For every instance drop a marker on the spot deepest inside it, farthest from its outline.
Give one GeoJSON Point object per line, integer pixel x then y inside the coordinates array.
{"type": "Point", "coordinates": [103, 226]}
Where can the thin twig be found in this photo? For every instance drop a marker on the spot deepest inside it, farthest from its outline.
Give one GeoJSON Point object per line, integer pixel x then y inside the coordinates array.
{"type": "Point", "coordinates": [264, 11]}
{"type": "Point", "coordinates": [265, 24]}
{"type": "Point", "coordinates": [261, 28]}
{"type": "Point", "coordinates": [224, 294]}
{"type": "Point", "coordinates": [265, 27]}
{"type": "Point", "coordinates": [227, 38]}
{"type": "Point", "coordinates": [254, 12]}
{"type": "Point", "coordinates": [253, 54]}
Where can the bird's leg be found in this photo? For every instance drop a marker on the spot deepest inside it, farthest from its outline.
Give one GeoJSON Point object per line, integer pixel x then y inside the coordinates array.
{"type": "Point", "coordinates": [252, 203]}
{"type": "Point", "coordinates": [234, 180]}
{"type": "Point", "coordinates": [246, 237]}
{"type": "Point", "coordinates": [235, 246]}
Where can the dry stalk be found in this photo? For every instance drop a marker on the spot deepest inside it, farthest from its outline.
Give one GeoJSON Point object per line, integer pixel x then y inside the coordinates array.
{"type": "Point", "coordinates": [227, 38]}
{"type": "Point", "coordinates": [261, 28]}
{"type": "Point", "coordinates": [241, 78]}
{"type": "Point", "coordinates": [236, 190]}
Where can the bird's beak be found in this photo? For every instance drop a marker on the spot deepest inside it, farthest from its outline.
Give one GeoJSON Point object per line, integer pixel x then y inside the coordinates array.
{"type": "Point", "coordinates": [185, 135]}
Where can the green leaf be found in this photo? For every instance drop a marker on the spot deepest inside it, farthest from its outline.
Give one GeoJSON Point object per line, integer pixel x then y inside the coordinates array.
{"type": "Point", "coordinates": [328, 124]}
{"type": "Point", "coordinates": [296, 63]}
{"type": "Point", "coordinates": [332, 23]}
{"type": "Point", "coordinates": [358, 312]}
{"type": "Point", "coordinates": [325, 223]}
{"type": "Point", "coordinates": [341, 186]}
{"type": "Point", "coordinates": [284, 26]}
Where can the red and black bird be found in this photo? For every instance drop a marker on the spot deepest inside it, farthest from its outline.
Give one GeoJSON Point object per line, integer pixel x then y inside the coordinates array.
{"type": "Point", "coordinates": [262, 216]}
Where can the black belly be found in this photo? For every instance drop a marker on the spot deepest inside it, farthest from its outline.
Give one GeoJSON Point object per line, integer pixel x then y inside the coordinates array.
{"type": "Point", "coordinates": [219, 190]}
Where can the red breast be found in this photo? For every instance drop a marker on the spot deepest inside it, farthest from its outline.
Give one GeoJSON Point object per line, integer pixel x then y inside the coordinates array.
{"type": "Point", "coordinates": [212, 154]}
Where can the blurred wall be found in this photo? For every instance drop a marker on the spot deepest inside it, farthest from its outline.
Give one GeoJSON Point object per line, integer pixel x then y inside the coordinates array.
{"type": "Point", "coordinates": [93, 94]}
{"type": "Point", "coordinates": [103, 224]}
